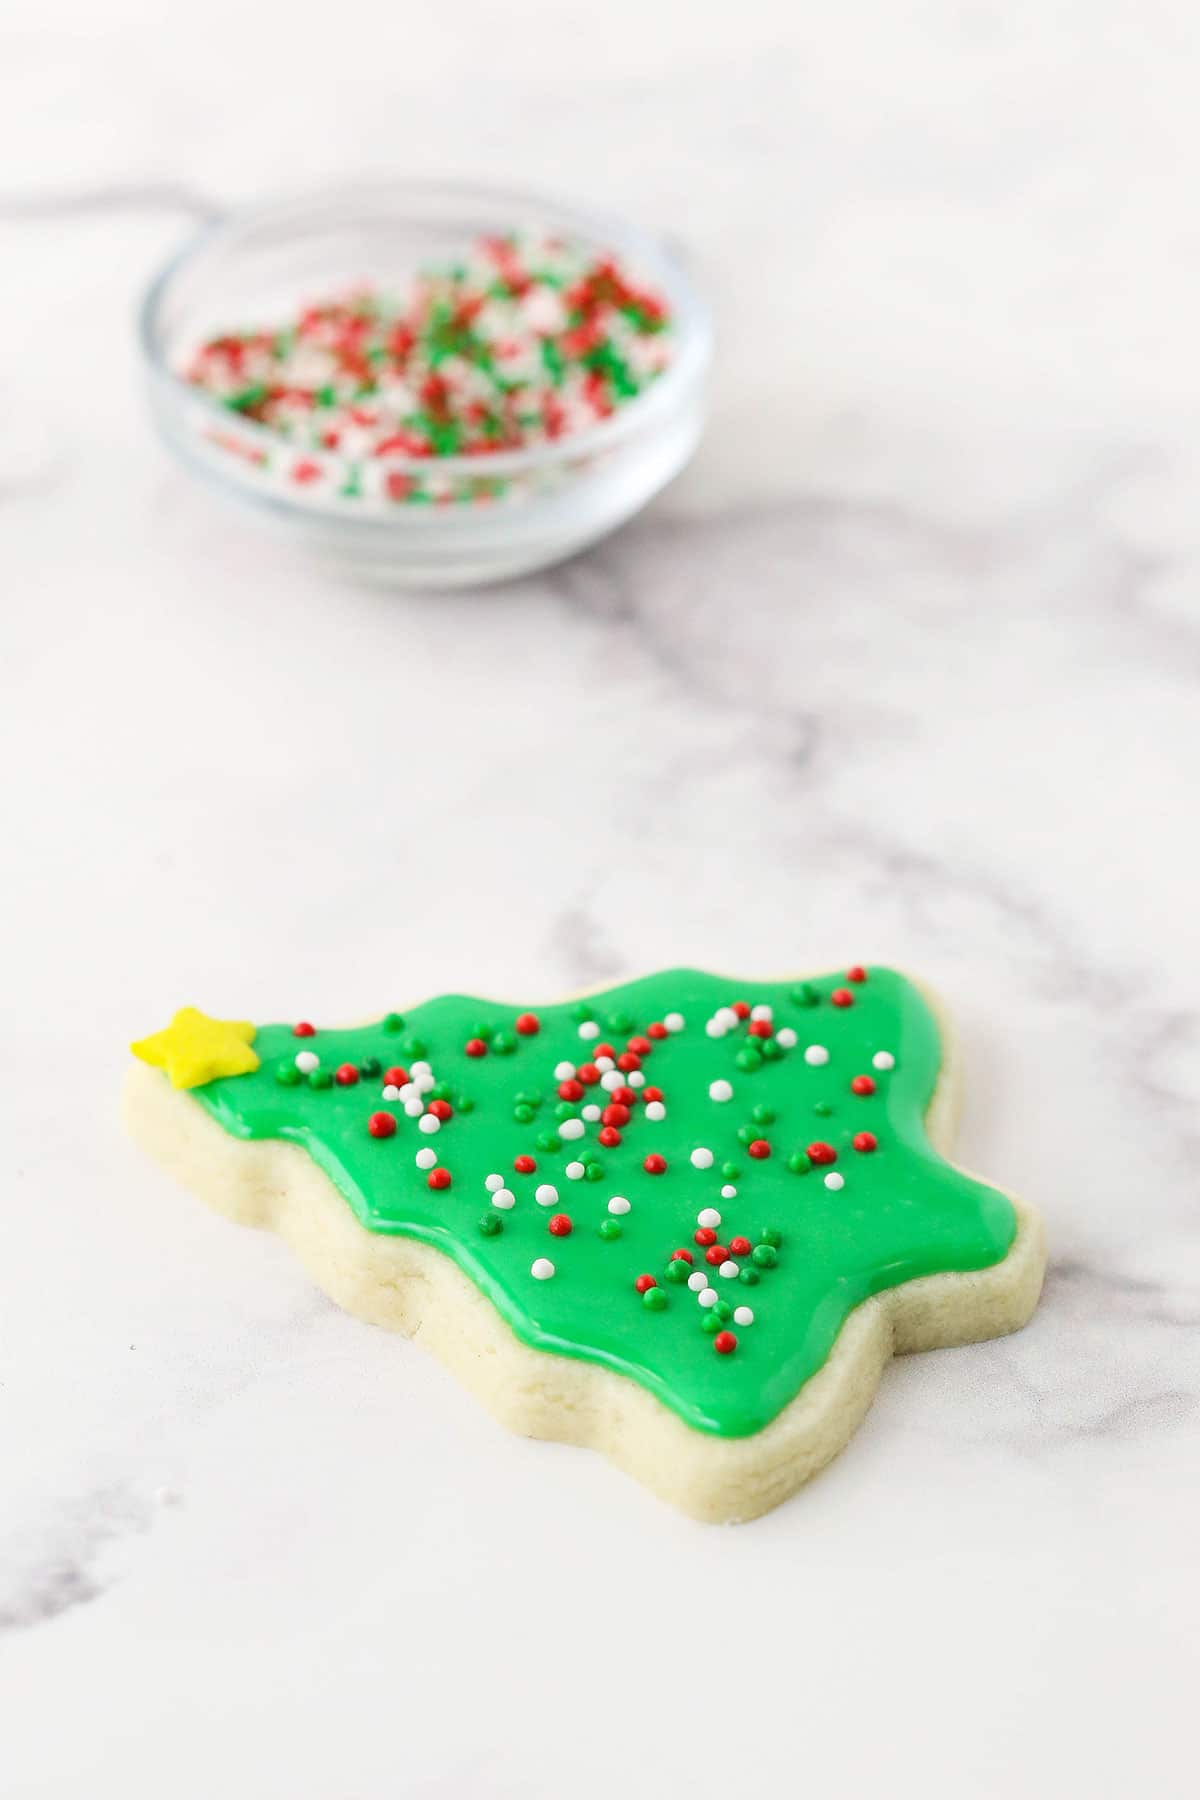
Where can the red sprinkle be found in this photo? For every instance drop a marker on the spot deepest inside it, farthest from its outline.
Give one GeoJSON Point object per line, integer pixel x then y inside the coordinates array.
{"type": "Point", "coordinates": [658, 1031]}
{"type": "Point", "coordinates": [650, 1093]}
{"type": "Point", "coordinates": [741, 1008]}
{"type": "Point", "coordinates": [476, 1047]}
{"type": "Point", "coordinates": [570, 1089]}
{"type": "Point", "coordinates": [857, 973]}
{"type": "Point", "coordinates": [528, 1024]}
{"type": "Point", "coordinates": [381, 1125]}
{"type": "Point", "coordinates": [439, 1178]}
{"type": "Point", "coordinates": [604, 1050]}
{"type": "Point", "coordinates": [724, 1343]}
{"type": "Point", "coordinates": [842, 997]}
{"type": "Point", "coordinates": [346, 1075]}
{"type": "Point", "coordinates": [441, 1109]}
{"type": "Point", "coordinates": [629, 1060]}
{"type": "Point", "coordinates": [524, 1165]}
{"type": "Point", "coordinates": [822, 1153]}
{"type": "Point", "coordinates": [304, 1029]}
{"type": "Point", "coordinates": [623, 1096]}
{"type": "Point", "coordinates": [644, 1283]}
{"type": "Point", "coordinates": [396, 1077]}
{"type": "Point", "coordinates": [560, 1226]}
{"type": "Point", "coordinates": [759, 1148]}
{"type": "Point", "coordinates": [640, 1046]}
{"type": "Point", "coordinates": [862, 1084]}
{"type": "Point", "coordinates": [865, 1140]}
{"type": "Point", "coordinates": [609, 1136]}
{"type": "Point", "coordinates": [615, 1114]}
{"type": "Point", "coordinates": [655, 1164]}
{"type": "Point", "coordinates": [704, 1234]}
{"type": "Point", "coordinates": [761, 1028]}
{"type": "Point", "coordinates": [589, 1073]}
{"type": "Point", "coordinates": [681, 1256]}
{"type": "Point", "coordinates": [716, 1254]}
{"type": "Point", "coordinates": [739, 1246]}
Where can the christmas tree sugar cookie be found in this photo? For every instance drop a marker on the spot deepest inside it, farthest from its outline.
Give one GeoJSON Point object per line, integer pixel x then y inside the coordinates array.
{"type": "Point", "coordinates": [684, 1221]}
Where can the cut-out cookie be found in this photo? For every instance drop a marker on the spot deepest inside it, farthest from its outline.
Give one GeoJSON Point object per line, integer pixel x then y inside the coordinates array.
{"type": "Point", "coordinates": [684, 1221]}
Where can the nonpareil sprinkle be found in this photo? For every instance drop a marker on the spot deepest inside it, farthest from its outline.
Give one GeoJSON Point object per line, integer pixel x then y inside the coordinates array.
{"type": "Point", "coordinates": [524, 340]}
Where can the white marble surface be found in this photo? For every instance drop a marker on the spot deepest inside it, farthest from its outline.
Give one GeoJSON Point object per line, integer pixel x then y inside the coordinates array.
{"type": "Point", "coordinates": [907, 668]}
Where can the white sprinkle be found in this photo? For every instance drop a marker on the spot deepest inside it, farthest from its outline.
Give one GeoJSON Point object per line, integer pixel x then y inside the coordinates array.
{"type": "Point", "coordinates": [503, 1199]}
{"type": "Point", "coordinates": [743, 1315]}
{"type": "Point", "coordinates": [835, 1181]}
{"type": "Point", "coordinates": [606, 1065]}
{"type": "Point", "coordinates": [710, 1218]}
{"type": "Point", "coordinates": [546, 1194]}
{"type": "Point", "coordinates": [728, 1269]}
{"type": "Point", "coordinates": [613, 1079]}
{"type": "Point", "coordinates": [635, 1079]}
{"type": "Point", "coordinates": [419, 1068]}
{"type": "Point", "coordinates": [720, 1090]}
{"type": "Point", "coordinates": [701, 1158]}
{"type": "Point", "coordinates": [575, 1171]}
{"type": "Point", "coordinates": [307, 1061]}
{"type": "Point", "coordinates": [429, 1124]}
{"type": "Point", "coordinates": [728, 1018]}
{"type": "Point", "coordinates": [729, 1192]}
{"type": "Point", "coordinates": [390, 1092]}
{"type": "Point", "coordinates": [563, 1071]}
{"type": "Point", "coordinates": [655, 1110]}
{"type": "Point", "coordinates": [618, 1205]}
{"type": "Point", "coordinates": [673, 1021]}
{"type": "Point", "coordinates": [542, 1269]}
{"type": "Point", "coordinates": [410, 1091]}
{"type": "Point", "coordinates": [494, 1182]}
{"type": "Point", "coordinates": [785, 1037]}
{"type": "Point", "coordinates": [762, 1011]}
{"type": "Point", "coordinates": [591, 1112]}
{"type": "Point", "coordinates": [425, 1159]}
{"type": "Point", "coordinates": [715, 1029]}
{"type": "Point", "coordinates": [414, 1108]}
{"type": "Point", "coordinates": [423, 1082]}
{"type": "Point", "coordinates": [816, 1054]}
{"type": "Point", "coordinates": [882, 1059]}
{"type": "Point", "coordinates": [697, 1280]}
{"type": "Point", "coordinates": [708, 1296]}
{"type": "Point", "coordinates": [571, 1128]}
{"type": "Point", "coordinates": [589, 1030]}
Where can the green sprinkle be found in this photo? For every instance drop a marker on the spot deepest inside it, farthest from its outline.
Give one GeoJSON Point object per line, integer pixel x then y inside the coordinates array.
{"type": "Point", "coordinates": [710, 1321]}
{"type": "Point", "coordinates": [320, 1078]}
{"type": "Point", "coordinates": [564, 1110]}
{"type": "Point", "coordinates": [654, 1300]}
{"type": "Point", "coordinates": [609, 1229]}
{"type": "Point", "coordinates": [549, 1141]}
{"type": "Point", "coordinates": [523, 1114]}
{"type": "Point", "coordinates": [491, 1224]}
{"type": "Point", "coordinates": [764, 1115]}
{"type": "Point", "coordinates": [746, 1134]}
{"type": "Point", "coordinates": [440, 1091]}
{"type": "Point", "coordinates": [749, 1276]}
{"type": "Point", "coordinates": [413, 1046]}
{"type": "Point", "coordinates": [749, 1058]}
{"type": "Point", "coordinates": [504, 1043]}
{"type": "Point", "coordinates": [723, 1311]}
{"type": "Point", "coordinates": [621, 1022]}
{"type": "Point", "coordinates": [464, 1103]}
{"type": "Point", "coordinates": [799, 1163]}
{"type": "Point", "coordinates": [593, 1172]}
{"type": "Point", "coordinates": [287, 1075]}
{"type": "Point", "coordinates": [369, 1066]}
{"type": "Point", "coordinates": [770, 1051]}
{"type": "Point", "coordinates": [676, 1270]}
{"type": "Point", "coordinates": [770, 1234]}
{"type": "Point", "coordinates": [731, 1171]}
{"type": "Point", "coordinates": [582, 1013]}
{"type": "Point", "coordinates": [805, 995]}
{"type": "Point", "coordinates": [393, 1022]}
{"type": "Point", "coordinates": [765, 1255]}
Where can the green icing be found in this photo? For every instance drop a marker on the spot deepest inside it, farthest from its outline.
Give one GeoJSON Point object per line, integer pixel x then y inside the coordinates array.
{"type": "Point", "coordinates": [903, 1211]}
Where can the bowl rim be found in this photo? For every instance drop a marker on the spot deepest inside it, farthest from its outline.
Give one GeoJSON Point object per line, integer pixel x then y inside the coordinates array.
{"type": "Point", "coordinates": [693, 321]}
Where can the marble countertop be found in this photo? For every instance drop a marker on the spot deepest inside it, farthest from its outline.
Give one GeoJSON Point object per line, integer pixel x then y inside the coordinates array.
{"type": "Point", "coordinates": [906, 668]}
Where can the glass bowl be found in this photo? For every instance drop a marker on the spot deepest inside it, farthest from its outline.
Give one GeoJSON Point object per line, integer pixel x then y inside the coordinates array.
{"type": "Point", "coordinates": [495, 516]}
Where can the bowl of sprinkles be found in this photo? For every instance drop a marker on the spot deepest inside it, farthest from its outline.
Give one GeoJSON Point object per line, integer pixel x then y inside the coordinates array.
{"type": "Point", "coordinates": [429, 385]}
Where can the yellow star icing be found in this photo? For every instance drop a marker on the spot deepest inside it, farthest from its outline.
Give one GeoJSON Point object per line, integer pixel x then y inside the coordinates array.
{"type": "Point", "coordinates": [194, 1048]}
